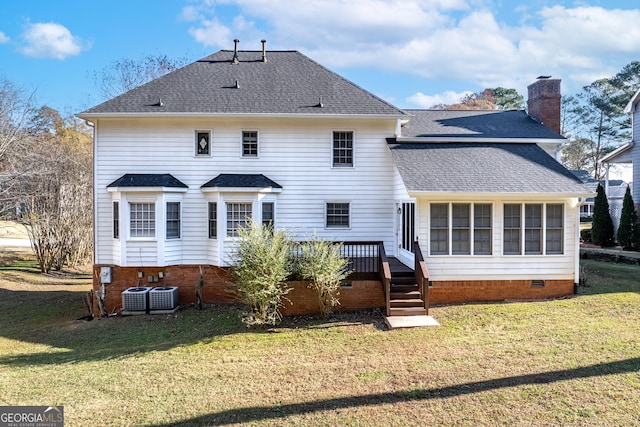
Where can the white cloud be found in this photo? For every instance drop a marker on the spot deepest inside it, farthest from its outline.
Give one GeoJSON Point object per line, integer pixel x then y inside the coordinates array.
{"type": "Point", "coordinates": [51, 40]}
{"type": "Point", "coordinates": [434, 39]}
{"type": "Point", "coordinates": [3, 38]}
{"type": "Point", "coordinates": [421, 100]}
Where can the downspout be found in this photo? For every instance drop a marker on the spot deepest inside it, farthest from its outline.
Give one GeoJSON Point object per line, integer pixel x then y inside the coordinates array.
{"type": "Point", "coordinates": [95, 193]}
{"type": "Point", "coordinates": [576, 261]}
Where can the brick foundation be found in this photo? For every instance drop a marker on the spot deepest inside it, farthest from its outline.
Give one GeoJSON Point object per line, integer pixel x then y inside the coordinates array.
{"type": "Point", "coordinates": [496, 290]}
{"type": "Point", "coordinates": [361, 294]}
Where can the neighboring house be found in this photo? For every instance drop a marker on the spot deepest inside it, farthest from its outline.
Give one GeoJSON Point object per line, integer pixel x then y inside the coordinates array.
{"type": "Point", "coordinates": [629, 153]}
{"type": "Point", "coordinates": [183, 161]}
{"type": "Point", "coordinates": [614, 189]}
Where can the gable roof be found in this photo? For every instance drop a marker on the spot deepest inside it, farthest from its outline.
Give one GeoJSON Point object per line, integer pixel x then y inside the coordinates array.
{"type": "Point", "coordinates": [289, 83]}
{"type": "Point", "coordinates": [476, 125]}
{"type": "Point", "coordinates": [483, 168]}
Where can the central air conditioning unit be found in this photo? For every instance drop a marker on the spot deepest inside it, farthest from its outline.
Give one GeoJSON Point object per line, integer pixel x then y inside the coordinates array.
{"type": "Point", "coordinates": [163, 299]}
{"type": "Point", "coordinates": [135, 300]}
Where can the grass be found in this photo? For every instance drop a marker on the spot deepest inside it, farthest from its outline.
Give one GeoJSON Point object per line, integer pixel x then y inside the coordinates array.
{"type": "Point", "coordinates": [572, 361]}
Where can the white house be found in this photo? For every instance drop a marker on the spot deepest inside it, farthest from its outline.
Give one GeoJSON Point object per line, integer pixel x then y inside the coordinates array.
{"type": "Point", "coordinates": [182, 161]}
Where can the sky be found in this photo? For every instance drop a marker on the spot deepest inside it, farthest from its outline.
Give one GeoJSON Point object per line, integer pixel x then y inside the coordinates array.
{"type": "Point", "coordinates": [412, 53]}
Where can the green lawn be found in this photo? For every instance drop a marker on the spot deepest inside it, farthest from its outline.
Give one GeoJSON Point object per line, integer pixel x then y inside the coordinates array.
{"type": "Point", "coordinates": [572, 361]}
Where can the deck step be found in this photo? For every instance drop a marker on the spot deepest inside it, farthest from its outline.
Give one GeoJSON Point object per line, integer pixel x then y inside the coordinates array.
{"type": "Point", "coordinates": [406, 303]}
{"type": "Point", "coordinates": [408, 311]}
{"type": "Point", "coordinates": [404, 288]}
{"type": "Point", "coordinates": [405, 295]}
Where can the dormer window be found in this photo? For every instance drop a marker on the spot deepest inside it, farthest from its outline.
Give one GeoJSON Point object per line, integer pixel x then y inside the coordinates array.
{"type": "Point", "coordinates": [203, 142]}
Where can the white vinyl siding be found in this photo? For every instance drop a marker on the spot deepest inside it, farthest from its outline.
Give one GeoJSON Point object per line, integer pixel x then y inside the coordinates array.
{"type": "Point", "coordinates": [295, 153]}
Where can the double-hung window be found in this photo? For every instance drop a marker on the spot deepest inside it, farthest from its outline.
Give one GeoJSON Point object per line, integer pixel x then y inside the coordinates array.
{"type": "Point", "coordinates": [142, 219]}
{"type": "Point", "coordinates": [343, 149]}
{"type": "Point", "coordinates": [213, 220]}
{"type": "Point", "coordinates": [460, 229]}
{"type": "Point", "coordinates": [249, 144]}
{"type": "Point", "coordinates": [337, 215]}
{"type": "Point", "coordinates": [267, 213]}
{"type": "Point", "coordinates": [238, 216]}
{"type": "Point", "coordinates": [540, 226]}
{"type": "Point", "coordinates": [116, 220]}
{"type": "Point", "coordinates": [172, 215]}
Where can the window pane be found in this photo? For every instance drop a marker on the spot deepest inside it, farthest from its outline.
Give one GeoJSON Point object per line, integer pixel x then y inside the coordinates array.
{"type": "Point", "coordinates": [213, 220]}
{"type": "Point", "coordinates": [439, 232]}
{"type": "Point", "coordinates": [337, 215]}
{"type": "Point", "coordinates": [482, 229]}
{"type": "Point", "coordinates": [512, 221]}
{"type": "Point", "coordinates": [342, 148]}
{"type": "Point", "coordinates": [267, 213]}
{"type": "Point", "coordinates": [173, 220]}
{"type": "Point", "coordinates": [555, 229]}
{"type": "Point", "coordinates": [116, 220]}
{"type": "Point", "coordinates": [250, 144]}
{"type": "Point", "coordinates": [142, 219]}
{"type": "Point", "coordinates": [461, 230]}
{"type": "Point", "coordinates": [533, 229]}
{"type": "Point", "coordinates": [238, 215]}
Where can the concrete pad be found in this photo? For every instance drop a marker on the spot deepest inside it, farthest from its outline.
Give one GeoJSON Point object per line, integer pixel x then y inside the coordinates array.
{"type": "Point", "coordinates": [395, 322]}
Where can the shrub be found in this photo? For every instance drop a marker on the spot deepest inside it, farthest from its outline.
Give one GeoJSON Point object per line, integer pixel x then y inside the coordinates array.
{"type": "Point", "coordinates": [260, 273]}
{"type": "Point", "coordinates": [322, 264]}
{"type": "Point", "coordinates": [602, 228]}
{"type": "Point", "coordinates": [585, 236]}
{"type": "Point", "coordinates": [628, 230]}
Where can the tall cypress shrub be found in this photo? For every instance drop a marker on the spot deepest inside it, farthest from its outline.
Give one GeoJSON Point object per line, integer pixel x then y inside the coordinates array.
{"type": "Point", "coordinates": [629, 230]}
{"type": "Point", "coordinates": [602, 228]}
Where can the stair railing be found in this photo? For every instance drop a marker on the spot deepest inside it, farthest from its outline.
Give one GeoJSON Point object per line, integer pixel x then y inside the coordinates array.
{"type": "Point", "coordinates": [421, 275]}
{"type": "Point", "coordinates": [385, 276]}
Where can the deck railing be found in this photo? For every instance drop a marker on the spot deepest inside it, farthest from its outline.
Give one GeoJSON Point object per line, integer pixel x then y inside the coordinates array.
{"type": "Point", "coordinates": [364, 258]}
{"type": "Point", "coordinates": [385, 277]}
{"type": "Point", "coordinates": [421, 274]}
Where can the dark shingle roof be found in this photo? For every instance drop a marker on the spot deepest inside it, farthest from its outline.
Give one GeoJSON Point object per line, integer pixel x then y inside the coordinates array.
{"type": "Point", "coordinates": [482, 168]}
{"type": "Point", "coordinates": [242, 181]}
{"type": "Point", "coordinates": [479, 124]}
{"type": "Point", "coordinates": [147, 180]}
{"type": "Point", "coordinates": [289, 83]}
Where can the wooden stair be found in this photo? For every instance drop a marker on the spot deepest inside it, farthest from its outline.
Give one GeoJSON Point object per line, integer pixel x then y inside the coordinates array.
{"type": "Point", "coordinates": [405, 298]}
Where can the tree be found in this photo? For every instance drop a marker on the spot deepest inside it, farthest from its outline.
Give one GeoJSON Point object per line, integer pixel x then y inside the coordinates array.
{"type": "Point", "coordinates": [322, 264]}
{"type": "Point", "coordinates": [602, 226]}
{"type": "Point", "coordinates": [629, 230]}
{"type": "Point", "coordinates": [125, 74]}
{"type": "Point", "coordinates": [52, 184]}
{"type": "Point", "coordinates": [260, 271]}
{"type": "Point", "coordinates": [489, 99]}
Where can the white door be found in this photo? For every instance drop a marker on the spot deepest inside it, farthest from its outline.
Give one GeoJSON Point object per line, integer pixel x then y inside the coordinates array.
{"type": "Point", "coordinates": [406, 232]}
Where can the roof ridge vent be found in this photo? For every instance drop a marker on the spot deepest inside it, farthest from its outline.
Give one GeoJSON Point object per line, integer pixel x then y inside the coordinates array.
{"type": "Point", "coordinates": [264, 50]}
{"type": "Point", "coordinates": [235, 51]}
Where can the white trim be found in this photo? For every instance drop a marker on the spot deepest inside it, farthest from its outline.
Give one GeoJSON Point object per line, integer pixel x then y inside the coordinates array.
{"type": "Point", "coordinates": [631, 105]}
{"type": "Point", "coordinates": [147, 189]}
{"type": "Point", "coordinates": [259, 190]}
{"type": "Point", "coordinates": [87, 116]}
{"type": "Point", "coordinates": [615, 153]}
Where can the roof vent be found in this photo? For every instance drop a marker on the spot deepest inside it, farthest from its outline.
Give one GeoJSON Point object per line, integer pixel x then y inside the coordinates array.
{"type": "Point", "coordinates": [237, 85]}
{"type": "Point", "coordinates": [264, 50]}
{"type": "Point", "coordinates": [235, 51]}
{"type": "Point", "coordinates": [320, 104]}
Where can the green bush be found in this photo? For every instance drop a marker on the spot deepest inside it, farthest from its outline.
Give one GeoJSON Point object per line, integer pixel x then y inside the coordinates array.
{"type": "Point", "coordinates": [602, 228]}
{"type": "Point", "coordinates": [628, 230]}
{"type": "Point", "coordinates": [260, 271]}
{"type": "Point", "coordinates": [322, 264]}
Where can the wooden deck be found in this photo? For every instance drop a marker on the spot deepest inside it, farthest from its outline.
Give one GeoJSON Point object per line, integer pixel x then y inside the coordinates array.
{"type": "Point", "coordinates": [397, 267]}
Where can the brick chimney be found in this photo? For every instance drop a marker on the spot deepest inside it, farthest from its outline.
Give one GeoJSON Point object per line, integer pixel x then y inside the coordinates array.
{"type": "Point", "coordinates": [544, 101]}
